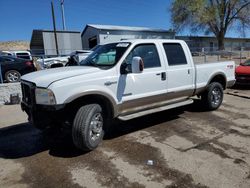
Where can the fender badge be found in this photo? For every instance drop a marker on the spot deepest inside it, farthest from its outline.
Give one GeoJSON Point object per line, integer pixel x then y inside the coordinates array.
{"type": "Point", "coordinates": [109, 83]}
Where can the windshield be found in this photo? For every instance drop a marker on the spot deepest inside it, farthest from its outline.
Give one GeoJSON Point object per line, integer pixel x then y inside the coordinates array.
{"type": "Point", "coordinates": [246, 63]}
{"type": "Point", "coordinates": [106, 55]}
{"type": "Point", "coordinates": [97, 46]}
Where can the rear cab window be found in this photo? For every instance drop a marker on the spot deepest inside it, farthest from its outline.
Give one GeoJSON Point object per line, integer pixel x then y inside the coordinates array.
{"type": "Point", "coordinates": [175, 54]}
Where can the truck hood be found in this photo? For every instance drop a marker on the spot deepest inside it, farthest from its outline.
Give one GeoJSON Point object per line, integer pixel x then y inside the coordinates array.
{"type": "Point", "coordinates": [44, 78]}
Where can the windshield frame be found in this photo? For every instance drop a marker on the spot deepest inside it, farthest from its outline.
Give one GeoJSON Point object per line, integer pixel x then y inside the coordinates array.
{"type": "Point", "coordinates": [93, 58]}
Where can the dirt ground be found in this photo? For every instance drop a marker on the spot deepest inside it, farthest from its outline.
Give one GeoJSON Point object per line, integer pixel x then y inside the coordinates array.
{"type": "Point", "coordinates": [14, 45]}
{"type": "Point", "coordinates": [185, 147]}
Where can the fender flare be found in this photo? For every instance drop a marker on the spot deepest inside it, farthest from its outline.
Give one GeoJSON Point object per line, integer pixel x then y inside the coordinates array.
{"type": "Point", "coordinates": [218, 74]}
{"type": "Point", "coordinates": [99, 93]}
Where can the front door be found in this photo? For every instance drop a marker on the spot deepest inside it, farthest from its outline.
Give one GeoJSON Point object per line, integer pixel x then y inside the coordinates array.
{"type": "Point", "coordinates": [142, 90]}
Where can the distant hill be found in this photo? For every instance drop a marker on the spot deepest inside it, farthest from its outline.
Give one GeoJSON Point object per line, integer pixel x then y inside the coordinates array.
{"type": "Point", "coordinates": [15, 45]}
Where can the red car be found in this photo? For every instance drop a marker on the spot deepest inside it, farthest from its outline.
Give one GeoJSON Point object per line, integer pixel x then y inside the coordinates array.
{"type": "Point", "coordinates": [242, 73]}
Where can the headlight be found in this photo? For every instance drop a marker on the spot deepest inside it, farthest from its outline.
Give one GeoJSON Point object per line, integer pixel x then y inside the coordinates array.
{"type": "Point", "coordinates": [45, 96]}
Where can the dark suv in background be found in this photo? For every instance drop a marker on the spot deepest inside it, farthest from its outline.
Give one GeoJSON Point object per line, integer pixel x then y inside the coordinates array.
{"type": "Point", "coordinates": [13, 68]}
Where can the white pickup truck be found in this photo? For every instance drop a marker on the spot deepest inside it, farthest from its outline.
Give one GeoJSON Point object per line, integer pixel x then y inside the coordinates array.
{"type": "Point", "coordinates": [121, 80]}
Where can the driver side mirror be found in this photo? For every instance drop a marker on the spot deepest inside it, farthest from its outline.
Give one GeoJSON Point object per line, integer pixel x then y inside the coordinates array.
{"type": "Point", "coordinates": [137, 65]}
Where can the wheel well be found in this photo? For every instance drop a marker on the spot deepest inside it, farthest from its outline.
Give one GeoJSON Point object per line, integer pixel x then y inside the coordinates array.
{"type": "Point", "coordinates": [10, 70]}
{"type": "Point", "coordinates": [220, 79]}
{"type": "Point", "coordinates": [103, 101]}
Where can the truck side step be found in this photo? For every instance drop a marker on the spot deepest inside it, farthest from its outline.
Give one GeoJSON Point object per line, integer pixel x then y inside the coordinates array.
{"type": "Point", "coordinates": [159, 109]}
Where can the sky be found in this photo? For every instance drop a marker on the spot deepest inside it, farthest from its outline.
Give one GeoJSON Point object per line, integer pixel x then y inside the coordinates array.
{"type": "Point", "coordinates": [20, 17]}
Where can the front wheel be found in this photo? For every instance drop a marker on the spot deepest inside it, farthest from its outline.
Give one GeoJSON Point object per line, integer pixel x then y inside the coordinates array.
{"type": "Point", "coordinates": [213, 96]}
{"type": "Point", "coordinates": [87, 130]}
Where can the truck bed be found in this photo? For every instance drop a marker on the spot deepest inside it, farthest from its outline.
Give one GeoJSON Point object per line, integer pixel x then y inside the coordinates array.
{"type": "Point", "coordinates": [205, 71]}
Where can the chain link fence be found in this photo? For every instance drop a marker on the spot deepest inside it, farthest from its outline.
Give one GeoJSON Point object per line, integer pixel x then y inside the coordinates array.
{"type": "Point", "coordinates": [200, 55]}
{"type": "Point", "coordinates": [206, 54]}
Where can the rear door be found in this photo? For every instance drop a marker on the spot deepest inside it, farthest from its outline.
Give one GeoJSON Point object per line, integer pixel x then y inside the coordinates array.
{"type": "Point", "coordinates": [180, 71]}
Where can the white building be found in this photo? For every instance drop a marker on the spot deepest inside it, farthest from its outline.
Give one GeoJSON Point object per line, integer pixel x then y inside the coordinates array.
{"type": "Point", "coordinates": [100, 34]}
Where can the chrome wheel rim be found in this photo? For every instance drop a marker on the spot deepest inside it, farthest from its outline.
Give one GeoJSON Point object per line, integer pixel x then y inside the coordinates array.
{"type": "Point", "coordinates": [96, 125]}
{"type": "Point", "coordinates": [216, 96]}
{"type": "Point", "coordinates": [13, 76]}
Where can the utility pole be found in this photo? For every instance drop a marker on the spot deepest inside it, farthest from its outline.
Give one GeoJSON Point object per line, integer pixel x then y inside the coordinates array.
{"type": "Point", "coordinates": [54, 25]}
{"type": "Point", "coordinates": [63, 16]}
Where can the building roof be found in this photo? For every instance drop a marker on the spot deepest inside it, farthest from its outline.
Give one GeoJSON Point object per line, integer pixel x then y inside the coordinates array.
{"type": "Point", "coordinates": [209, 37]}
{"type": "Point", "coordinates": [125, 28]}
{"type": "Point", "coordinates": [58, 31]}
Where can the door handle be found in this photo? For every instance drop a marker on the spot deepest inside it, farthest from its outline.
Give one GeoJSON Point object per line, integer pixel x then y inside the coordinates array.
{"type": "Point", "coordinates": [163, 76]}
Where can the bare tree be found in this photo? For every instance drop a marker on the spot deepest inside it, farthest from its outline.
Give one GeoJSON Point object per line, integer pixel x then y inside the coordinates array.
{"type": "Point", "coordinates": [216, 16]}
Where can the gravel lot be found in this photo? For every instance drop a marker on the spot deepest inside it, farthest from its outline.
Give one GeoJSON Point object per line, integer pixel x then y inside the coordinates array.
{"type": "Point", "coordinates": [7, 89]}
{"type": "Point", "coordinates": [188, 148]}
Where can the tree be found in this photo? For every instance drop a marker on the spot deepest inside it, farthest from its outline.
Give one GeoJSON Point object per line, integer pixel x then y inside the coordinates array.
{"type": "Point", "coordinates": [216, 16]}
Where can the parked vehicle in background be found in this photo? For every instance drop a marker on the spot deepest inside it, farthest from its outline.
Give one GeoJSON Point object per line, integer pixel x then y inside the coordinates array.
{"type": "Point", "coordinates": [122, 80]}
{"type": "Point", "coordinates": [22, 54]}
{"type": "Point", "coordinates": [5, 53]}
{"type": "Point", "coordinates": [53, 62]}
{"type": "Point", "coordinates": [80, 55]}
{"type": "Point", "coordinates": [73, 59]}
{"type": "Point", "coordinates": [18, 54]}
{"type": "Point", "coordinates": [242, 73]}
{"type": "Point", "coordinates": [13, 68]}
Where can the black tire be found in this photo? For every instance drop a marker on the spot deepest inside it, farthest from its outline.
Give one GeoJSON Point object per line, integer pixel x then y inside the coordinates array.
{"type": "Point", "coordinates": [12, 76]}
{"type": "Point", "coordinates": [87, 130]}
{"type": "Point", "coordinates": [213, 96]}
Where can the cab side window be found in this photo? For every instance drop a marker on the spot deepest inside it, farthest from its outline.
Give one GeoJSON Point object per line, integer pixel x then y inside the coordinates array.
{"type": "Point", "coordinates": [148, 53]}
{"type": "Point", "coordinates": [175, 54]}
{"type": "Point", "coordinates": [5, 59]}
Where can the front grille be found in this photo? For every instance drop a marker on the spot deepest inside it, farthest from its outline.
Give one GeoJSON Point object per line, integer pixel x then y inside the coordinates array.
{"type": "Point", "coordinates": [28, 92]}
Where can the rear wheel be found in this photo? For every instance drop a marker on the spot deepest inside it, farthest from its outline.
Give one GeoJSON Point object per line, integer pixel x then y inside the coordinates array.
{"type": "Point", "coordinates": [87, 130]}
{"type": "Point", "coordinates": [12, 76]}
{"type": "Point", "coordinates": [213, 96]}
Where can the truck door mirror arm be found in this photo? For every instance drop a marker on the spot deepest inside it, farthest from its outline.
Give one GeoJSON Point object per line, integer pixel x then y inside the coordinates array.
{"type": "Point", "coordinates": [125, 68]}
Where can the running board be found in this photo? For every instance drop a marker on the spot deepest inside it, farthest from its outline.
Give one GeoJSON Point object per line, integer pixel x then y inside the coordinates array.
{"type": "Point", "coordinates": [159, 109]}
